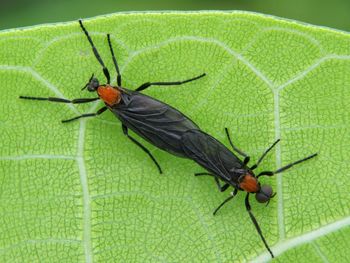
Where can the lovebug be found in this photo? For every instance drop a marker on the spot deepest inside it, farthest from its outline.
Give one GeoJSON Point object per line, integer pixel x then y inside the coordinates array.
{"type": "Point", "coordinates": [225, 166]}
{"type": "Point", "coordinates": [153, 120]}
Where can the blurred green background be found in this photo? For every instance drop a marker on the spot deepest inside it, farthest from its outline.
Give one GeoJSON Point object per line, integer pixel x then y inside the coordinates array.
{"type": "Point", "coordinates": [19, 13]}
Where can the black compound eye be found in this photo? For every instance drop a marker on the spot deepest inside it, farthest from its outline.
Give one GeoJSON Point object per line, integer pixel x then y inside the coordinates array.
{"type": "Point", "coordinates": [264, 194]}
{"type": "Point", "coordinates": [93, 85]}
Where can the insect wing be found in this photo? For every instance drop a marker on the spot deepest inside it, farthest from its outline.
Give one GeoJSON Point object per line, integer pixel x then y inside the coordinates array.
{"type": "Point", "coordinates": [155, 121]}
{"type": "Point", "coordinates": [210, 153]}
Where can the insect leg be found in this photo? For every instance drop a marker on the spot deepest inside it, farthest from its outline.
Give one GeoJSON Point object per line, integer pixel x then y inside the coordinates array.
{"type": "Point", "coordinates": [221, 188]}
{"type": "Point", "coordinates": [148, 84]}
{"type": "Point", "coordinates": [119, 77]}
{"type": "Point", "coordinates": [233, 194]}
{"type": "Point", "coordinates": [246, 157]}
{"type": "Point", "coordinates": [198, 174]}
{"type": "Point", "coordinates": [257, 227]}
{"type": "Point", "coordinates": [97, 55]}
{"type": "Point", "coordinates": [125, 131]}
{"type": "Point", "coordinates": [270, 173]}
{"type": "Point", "coordinates": [87, 115]}
{"type": "Point", "coordinates": [53, 99]}
{"type": "Point", "coordinates": [264, 154]}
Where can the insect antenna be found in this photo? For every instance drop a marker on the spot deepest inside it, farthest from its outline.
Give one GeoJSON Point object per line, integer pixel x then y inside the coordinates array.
{"type": "Point", "coordinates": [97, 55]}
{"type": "Point", "coordinates": [87, 84]}
{"type": "Point", "coordinates": [272, 196]}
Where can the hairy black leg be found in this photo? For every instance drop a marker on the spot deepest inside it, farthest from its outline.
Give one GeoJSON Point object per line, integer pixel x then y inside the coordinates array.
{"type": "Point", "coordinates": [119, 77]}
{"type": "Point", "coordinates": [125, 131]}
{"type": "Point", "coordinates": [257, 227]}
{"type": "Point", "coordinates": [233, 194]}
{"type": "Point", "coordinates": [87, 115]}
{"type": "Point", "coordinates": [53, 99]}
{"type": "Point", "coordinates": [199, 174]}
{"type": "Point", "coordinates": [264, 154]}
{"type": "Point", "coordinates": [270, 173]}
{"type": "Point", "coordinates": [246, 157]}
{"type": "Point", "coordinates": [221, 188]}
{"type": "Point", "coordinates": [148, 84]}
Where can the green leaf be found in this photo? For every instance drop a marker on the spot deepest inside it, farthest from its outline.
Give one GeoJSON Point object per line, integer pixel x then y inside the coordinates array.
{"type": "Point", "coordinates": [82, 192]}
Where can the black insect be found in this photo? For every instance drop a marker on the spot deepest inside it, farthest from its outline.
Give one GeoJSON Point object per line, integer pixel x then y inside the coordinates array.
{"type": "Point", "coordinates": [153, 120]}
{"type": "Point", "coordinates": [225, 166]}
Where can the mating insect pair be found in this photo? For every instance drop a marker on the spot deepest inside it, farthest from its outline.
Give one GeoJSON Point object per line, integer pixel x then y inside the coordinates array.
{"type": "Point", "coordinates": [172, 131]}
